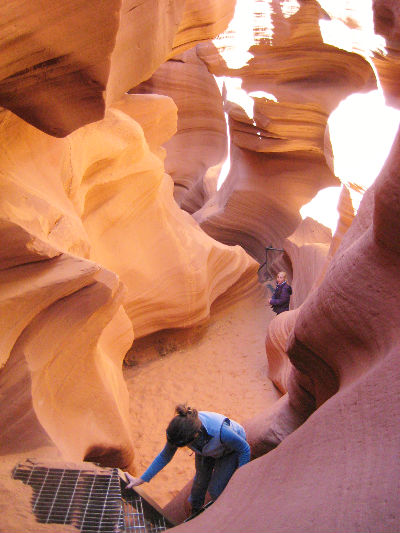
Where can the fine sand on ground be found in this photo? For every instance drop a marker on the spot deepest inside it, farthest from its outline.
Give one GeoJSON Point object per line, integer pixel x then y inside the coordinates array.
{"type": "Point", "coordinates": [219, 367]}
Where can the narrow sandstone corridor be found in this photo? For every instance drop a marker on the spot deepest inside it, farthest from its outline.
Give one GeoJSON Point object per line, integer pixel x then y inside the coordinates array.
{"type": "Point", "coordinates": [130, 270]}
{"type": "Point", "coordinates": [224, 371]}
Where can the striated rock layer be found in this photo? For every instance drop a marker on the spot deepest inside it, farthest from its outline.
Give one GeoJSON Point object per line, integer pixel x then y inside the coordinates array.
{"type": "Point", "coordinates": [310, 255]}
{"type": "Point", "coordinates": [62, 63]}
{"type": "Point", "coordinates": [155, 237]}
{"type": "Point", "coordinates": [281, 156]}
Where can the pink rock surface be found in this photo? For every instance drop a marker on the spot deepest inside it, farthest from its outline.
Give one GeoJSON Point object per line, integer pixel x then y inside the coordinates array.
{"type": "Point", "coordinates": [333, 473]}
{"type": "Point", "coordinates": [307, 249]}
{"type": "Point", "coordinates": [310, 250]}
{"type": "Point", "coordinates": [387, 24]}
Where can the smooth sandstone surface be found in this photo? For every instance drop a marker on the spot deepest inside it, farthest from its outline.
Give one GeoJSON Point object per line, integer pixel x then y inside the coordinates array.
{"type": "Point", "coordinates": [340, 460]}
{"type": "Point", "coordinates": [163, 257]}
{"type": "Point", "coordinates": [85, 272]}
{"type": "Point", "coordinates": [310, 249]}
{"type": "Point", "coordinates": [63, 63]}
{"type": "Point", "coordinates": [200, 142]}
{"type": "Point", "coordinates": [96, 253]}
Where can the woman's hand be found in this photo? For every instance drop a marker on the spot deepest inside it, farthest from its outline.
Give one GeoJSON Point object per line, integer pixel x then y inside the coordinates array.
{"type": "Point", "coordinates": [132, 481]}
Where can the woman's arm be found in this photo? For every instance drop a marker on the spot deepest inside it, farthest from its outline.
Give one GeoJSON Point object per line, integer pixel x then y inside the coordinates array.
{"type": "Point", "coordinates": [162, 459]}
{"type": "Point", "coordinates": [236, 442]}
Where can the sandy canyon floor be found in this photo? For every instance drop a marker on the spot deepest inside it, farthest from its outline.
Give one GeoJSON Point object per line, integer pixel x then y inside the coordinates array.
{"type": "Point", "coordinates": [220, 367]}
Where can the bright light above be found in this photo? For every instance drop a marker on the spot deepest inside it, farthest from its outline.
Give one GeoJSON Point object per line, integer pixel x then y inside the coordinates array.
{"type": "Point", "coordinates": [362, 130]}
{"type": "Point", "coordinates": [323, 208]}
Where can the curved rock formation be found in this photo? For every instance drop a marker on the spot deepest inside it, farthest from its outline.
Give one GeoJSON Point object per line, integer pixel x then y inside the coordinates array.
{"type": "Point", "coordinates": [257, 205]}
{"type": "Point", "coordinates": [338, 355]}
{"type": "Point", "coordinates": [60, 313]}
{"type": "Point", "coordinates": [95, 237]}
{"type": "Point", "coordinates": [62, 63]}
{"type": "Point", "coordinates": [386, 19]}
{"type": "Point", "coordinates": [172, 270]}
{"type": "Point", "coordinates": [281, 157]}
{"type": "Point", "coordinates": [200, 140]}
{"type": "Point", "coordinates": [307, 248]}
{"type": "Point", "coordinates": [333, 467]}
{"type": "Point", "coordinates": [201, 22]}
{"type": "Point", "coordinates": [279, 366]}
{"type": "Point", "coordinates": [310, 250]}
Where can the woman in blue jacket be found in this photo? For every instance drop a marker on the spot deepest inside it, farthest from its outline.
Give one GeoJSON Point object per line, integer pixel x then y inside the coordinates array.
{"type": "Point", "coordinates": [219, 445]}
{"type": "Point", "coordinates": [281, 296]}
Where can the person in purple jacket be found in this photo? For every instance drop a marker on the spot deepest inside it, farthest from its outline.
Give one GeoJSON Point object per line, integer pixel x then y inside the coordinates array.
{"type": "Point", "coordinates": [219, 445]}
{"type": "Point", "coordinates": [281, 296]}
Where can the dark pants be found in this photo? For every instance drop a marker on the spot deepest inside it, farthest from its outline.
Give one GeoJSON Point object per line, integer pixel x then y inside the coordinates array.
{"type": "Point", "coordinates": [212, 474]}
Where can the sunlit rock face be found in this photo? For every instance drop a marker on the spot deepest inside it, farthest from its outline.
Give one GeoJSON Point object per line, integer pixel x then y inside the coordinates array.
{"type": "Point", "coordinates": [386, 19]}
{"type": "Point", "coordinates": [121, 172]}
{"type": "Point", "coordinates": [200, 142]}
{"type": "Point", "coordinates": [61, 315]}
{"type": "Point", "coordinates": [281, 156]}
{"type": "Point", "coordinates": [98, 251]}
{"type": "Point", "coordinates": [374, 25]}
{"type": "Point", "coordinates": [88, 222]}
{"type": "Point", "coordinates": [62, 62]}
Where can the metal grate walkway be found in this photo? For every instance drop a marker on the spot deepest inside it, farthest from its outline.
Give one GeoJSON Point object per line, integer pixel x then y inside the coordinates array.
{"type": "Point", "coordinates": [90, 500]}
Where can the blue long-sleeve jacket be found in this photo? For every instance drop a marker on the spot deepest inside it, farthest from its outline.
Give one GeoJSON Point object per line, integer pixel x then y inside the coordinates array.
{"type": "Point", "coordinates": [231, 441]}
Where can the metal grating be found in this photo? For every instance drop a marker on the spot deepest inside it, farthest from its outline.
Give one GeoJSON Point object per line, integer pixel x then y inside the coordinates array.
{"type": "Point", "coordinates": [137, 520]}
{"type": "Point", "coordinates": [141, 514]}
{"type": "Point", "coordinates": [90, 500]}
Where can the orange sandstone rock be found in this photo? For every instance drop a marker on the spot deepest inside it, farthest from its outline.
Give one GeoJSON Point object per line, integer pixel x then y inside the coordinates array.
{"type": "Point", "coordinates": [200, 140]}
{"type": "Point", "coordinates": [63, 63]}
{"type": "Point", "coordinates": [281, 156]}
{"type": "Point", "coordinates": [97, 247]}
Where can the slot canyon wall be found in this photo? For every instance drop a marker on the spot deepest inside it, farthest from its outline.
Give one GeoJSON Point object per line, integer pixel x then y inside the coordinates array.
{"type": "Point", "coordinates": [327, 453]}
{"type": "Point", "coordinates": [113, 228]}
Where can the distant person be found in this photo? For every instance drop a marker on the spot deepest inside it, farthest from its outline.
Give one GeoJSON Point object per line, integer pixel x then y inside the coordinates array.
{"type": "Point", "coordinates": [281, 296]}
{"type": "Point", "coordinates": [219, 444]}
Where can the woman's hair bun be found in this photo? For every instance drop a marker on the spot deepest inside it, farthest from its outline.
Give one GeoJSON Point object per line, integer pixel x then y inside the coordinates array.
{"type": "Point", "coordinates": [185, 410]}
